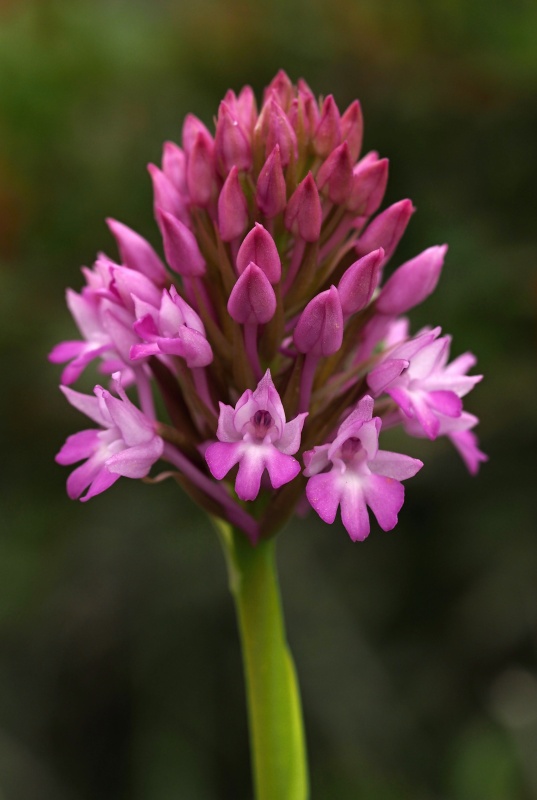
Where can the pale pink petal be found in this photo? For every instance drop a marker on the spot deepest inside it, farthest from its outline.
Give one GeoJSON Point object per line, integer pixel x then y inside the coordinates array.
{"type": "Point", "coordinates": [87, 404]}
{"type": "Point", "coordinates": [289, 441]}
{"type": "Point", "coordinates": [251, 468]}
{"type": "Point", "coordinates": [135, 462]}
{"type": "Point", "coordinates": [394, 465]}
{"type": "Point", "coordinates": [77, 447]}
{"type": "Point", "coordinates": [134, 426]}
{"type": "Point", "coordinates": [353, 508]}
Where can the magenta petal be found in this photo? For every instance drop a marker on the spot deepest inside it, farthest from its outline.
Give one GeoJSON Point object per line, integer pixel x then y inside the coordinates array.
{"type": "Point", "coordinates": [385, 498]}
{"type": "Point", "coordinates": [139, 351]}
{"type": "Point", "coordinates": [222, 456]}
{"type": "Point", "coordinates": [79, 446]}
{"type": "Point", "coordinates": [102, 481]}
{"type": "Point", "coordinates": [467, 445]}
{"type": "Point", "coordinates": [281, 468]}
{"type": "Point", "coordinates": [83, 475]}
{"type": "Point", "coordinates": [323, 495]}
{"type": "Point", "coordinates": [65, 351]}
{"type": "Point", "coordinates": [447, 403]}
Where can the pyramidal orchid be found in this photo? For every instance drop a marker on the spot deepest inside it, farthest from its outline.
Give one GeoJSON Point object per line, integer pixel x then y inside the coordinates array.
{"type": "Point", "coordinates": [268, 322]}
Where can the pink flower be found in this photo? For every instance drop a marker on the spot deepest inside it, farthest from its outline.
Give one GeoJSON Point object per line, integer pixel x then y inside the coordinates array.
{"type": "Point", "coordinates": [172, 329]}
{"type": "Point", "coordinates": [256, 436]}
{"type": "Point", "coordinates": [125, 445]}
{"type": "Point", "coordinates": [416, 375]}
{"type": "Point", "coordinates": [360, 475]}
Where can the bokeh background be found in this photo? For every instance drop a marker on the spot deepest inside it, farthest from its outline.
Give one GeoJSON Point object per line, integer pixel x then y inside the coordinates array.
{"type": "Point", "coordinates": [120, 674]}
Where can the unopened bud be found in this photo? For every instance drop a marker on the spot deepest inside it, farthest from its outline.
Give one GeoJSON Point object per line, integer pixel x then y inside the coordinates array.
{"type": "Point", "coordinates": [336, 174]}
{"type": "Point", "coordinates": [370, 177]}
{"type": "Point", "coordinates": [319, 330]}
{"type": "Point", "coordinates": [136, 253]}
{"type": "Point", "coordinates": [413, 282]}
{"type": "Point", "coordinates": [252, 299]}
{"type": "Point", "coordinates": [271, 195]}
{"type": "Point", "coordinates": [232, 208]}
{"type": "Point", "coordinates": [259, 247]}
{"type": "Point", "coordinates": [359, 281]}
{"type": "Point", "coordinates": [328, 133]}
{"type": "Point", "coordinates": [303, 215]}
{"type": "Point", "coordinates": [180, 246]}
{"type": "Point", "coordinates": [386, 230]}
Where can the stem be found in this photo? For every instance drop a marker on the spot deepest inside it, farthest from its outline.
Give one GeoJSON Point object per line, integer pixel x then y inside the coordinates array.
{"type": "Point", "coordinates": [274, 709]}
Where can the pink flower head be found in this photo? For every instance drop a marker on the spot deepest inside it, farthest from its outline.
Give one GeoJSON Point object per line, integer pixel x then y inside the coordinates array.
{"type": "Point", "coordinates": [125, 445]}
{"type": "Point", "coordinates": [273, 242]}
{"type": "Point", "coordinates": [360, 475]}
{"type": "Point", "coordinates": [256, 436]}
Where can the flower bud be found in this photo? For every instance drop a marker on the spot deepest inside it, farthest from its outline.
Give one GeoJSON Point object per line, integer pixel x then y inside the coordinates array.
{"type": "Point", "coordinates": [370, 177]}
{"type": "Point", "coordinates": [259, 247]}
{"type": "Point", "coordinates": [232, 147]}
{"type": "Point", "coordinates": [303, 215]}
{"type": "Point", "coordinates": [200, 171]}
{"type": "Point", "coordinates": [359, 281]}
{"type": "Point", "coordinates": [386, 230]}
{"type": "Point", "coordinates": [352, 129]}
{"type": "Point", "coordinates": [232, 208]}
{"type": "Point", "coordinates": [274, 128]}
{"type": "Point", "coordinates": [174, 165]}
{"type": "Point", "coordinates": [166, 196]}
{"type": "Point", "coordinates": [336, 174]}
{"type": "Point", "coordinates": [180, 246]}
{"type": "Point", "coordinates": [282, 88]}
{"type": "Point", "coordinates": [192, 128]}
{"type": "Point", "coordinates": [319, 330]}
{"type": "Point", "coordinates": [271, 193]}
{"type": "Point", "coordinates": [252, 299]}
{"type": "Point", "coordinates": [412, 282]}
{"type": "Point", "coordinates": [328, 133]}
{"type": "Point", "coordinates": [136, 253]}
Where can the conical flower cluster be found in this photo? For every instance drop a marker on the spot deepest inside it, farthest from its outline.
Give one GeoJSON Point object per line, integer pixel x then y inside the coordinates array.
{"type": "Point", "coordinates": [278, 350]}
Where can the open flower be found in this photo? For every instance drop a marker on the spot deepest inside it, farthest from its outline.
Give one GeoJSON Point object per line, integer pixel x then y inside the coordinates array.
{"type": "Point", "coordinates": [125, 445]}
{"type": "Point", "coordinates": [256, 436]}
{"type": "Point", "coordinates": [360, 475]}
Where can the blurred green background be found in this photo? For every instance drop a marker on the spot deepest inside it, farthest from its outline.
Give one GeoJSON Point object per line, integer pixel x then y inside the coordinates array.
{"type": "Point", "coordinates": [120, 673]}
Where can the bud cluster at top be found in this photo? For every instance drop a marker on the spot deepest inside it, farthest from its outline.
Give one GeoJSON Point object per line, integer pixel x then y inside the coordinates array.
{"type": "Point", "coordinates": [276, 347]}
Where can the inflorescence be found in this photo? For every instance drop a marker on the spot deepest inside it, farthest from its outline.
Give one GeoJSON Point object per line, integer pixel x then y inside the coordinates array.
{"type": "Point", "coordinates": [274, 344]}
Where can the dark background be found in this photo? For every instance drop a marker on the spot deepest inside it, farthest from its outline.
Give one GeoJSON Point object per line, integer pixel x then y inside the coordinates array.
{"type": "Point", "coordinates": [120, 674]}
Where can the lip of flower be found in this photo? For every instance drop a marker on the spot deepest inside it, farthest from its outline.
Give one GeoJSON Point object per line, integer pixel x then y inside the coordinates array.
{"type": "Point", "coordinates": [276, 252]}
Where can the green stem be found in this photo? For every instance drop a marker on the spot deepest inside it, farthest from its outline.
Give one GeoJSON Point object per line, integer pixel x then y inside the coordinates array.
{"type": "Point", "coordinates": [274, 709]}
